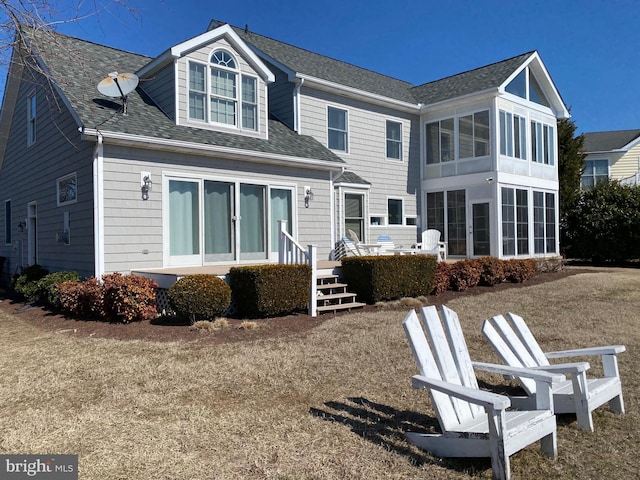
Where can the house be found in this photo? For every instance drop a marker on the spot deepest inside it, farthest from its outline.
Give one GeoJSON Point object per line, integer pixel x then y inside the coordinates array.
{"type": "Point", "coordinates": [230, 131]}
{"type": "Point", "coordinates": [612, 155]}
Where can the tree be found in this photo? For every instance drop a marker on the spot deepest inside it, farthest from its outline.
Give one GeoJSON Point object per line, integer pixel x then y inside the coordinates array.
{"type": "Point", "coordinates": [570, 163]}
{"type": "Point", "coordinates": [20, 18]}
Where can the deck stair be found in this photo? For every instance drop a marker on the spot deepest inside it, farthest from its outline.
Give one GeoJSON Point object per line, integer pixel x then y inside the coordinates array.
{"type": "Point", "coordinates": [333, 295]}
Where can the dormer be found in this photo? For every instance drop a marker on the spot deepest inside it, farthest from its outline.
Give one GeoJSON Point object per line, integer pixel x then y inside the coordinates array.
{"type": "Point", "coordinates": [213, 81]}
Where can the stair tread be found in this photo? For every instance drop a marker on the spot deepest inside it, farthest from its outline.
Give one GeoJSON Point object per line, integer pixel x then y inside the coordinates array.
{"type": "Point", "coordinates": [331, 296]}
{"type": "Point", "coordinates": [340, 306]}
{"type": "Point", "coordinates": [326, 286]}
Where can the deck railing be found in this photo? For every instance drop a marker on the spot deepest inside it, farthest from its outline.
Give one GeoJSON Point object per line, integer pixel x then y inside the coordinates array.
{"type": "Point", "coordinates": [291, 252]}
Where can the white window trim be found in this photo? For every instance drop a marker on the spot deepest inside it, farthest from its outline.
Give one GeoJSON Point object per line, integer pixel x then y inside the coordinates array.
{"type": "Point", "coordinates": [382, 217]}
{"type": "Point", "coordinates": [346, 131]}
{"type": "Point", "coordinates": [401, 141]}
{"type": "Point", "coordinates": [256, 104]}
{"type": "Point", "coordinates": [32, 121]}
{"type": "Point", "coordinates": [591, 175]}
{"type": "Point", "coordinates": [402, 213]}
{"type": "Point", "coordinates": [62, 179]}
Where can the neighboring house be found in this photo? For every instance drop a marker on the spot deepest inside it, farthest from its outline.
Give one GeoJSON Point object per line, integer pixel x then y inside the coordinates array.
{"type": "Point", "coordinates": [613, 155]}
{"type": "Point", "coordinates": [230, 131]}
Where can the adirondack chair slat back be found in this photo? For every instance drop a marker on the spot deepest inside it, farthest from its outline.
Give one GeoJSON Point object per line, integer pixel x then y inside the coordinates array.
{"type": "Point", "coordinates": [430, 239]}
{"type": "Point", "coordinates": [435, 359]}
{"type": "Point", "coordinates": [451, 355]}
{"type": "Point", "coordinates": [427, 366]}
{"type": "Point", "coordinates": [513, 342]}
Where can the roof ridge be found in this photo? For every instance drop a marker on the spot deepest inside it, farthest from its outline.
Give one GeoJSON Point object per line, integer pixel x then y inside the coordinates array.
{"type": "Point", "coordinates": [249, 32]}
{"type": "Point", "coordinates": [478, 68]}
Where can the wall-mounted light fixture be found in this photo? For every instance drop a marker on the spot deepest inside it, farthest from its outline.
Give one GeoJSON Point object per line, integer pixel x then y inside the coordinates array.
{"type": "Point", "coordinates": [145, 184]}
{"type": "Point", "coordinates": [490, 180]}
{"type": "Point", "coordinates": [308, 195]}
{"type": "Point", "coordinates": [22, 226]}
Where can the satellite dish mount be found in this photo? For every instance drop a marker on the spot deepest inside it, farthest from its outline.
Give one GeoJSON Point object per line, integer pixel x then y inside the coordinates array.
{"type": "Point", "coordinates": [118, 85]}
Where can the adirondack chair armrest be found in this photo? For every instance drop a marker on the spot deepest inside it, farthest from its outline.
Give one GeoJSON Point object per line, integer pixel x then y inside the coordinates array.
{"type": "Point", "coordinates": [490, 400]}
{"type": "Point", "coordinates": [532, 373]}
{"type": "Point", "coordinates": [583, 352]}
{"type": "Point", "coordinates": [573, 368]}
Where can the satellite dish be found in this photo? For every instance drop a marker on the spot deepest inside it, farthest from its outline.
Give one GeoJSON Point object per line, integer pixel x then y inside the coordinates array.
{"type": "Point", "coordinates": [118, 85]}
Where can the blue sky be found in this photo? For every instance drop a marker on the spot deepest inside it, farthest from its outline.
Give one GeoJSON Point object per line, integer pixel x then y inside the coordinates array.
{"type": "Point", "coordinates": [591, 48]}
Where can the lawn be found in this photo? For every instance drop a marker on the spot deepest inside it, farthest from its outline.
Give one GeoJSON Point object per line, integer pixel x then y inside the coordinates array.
{"type": "Point", "coordinates": [331, 404]}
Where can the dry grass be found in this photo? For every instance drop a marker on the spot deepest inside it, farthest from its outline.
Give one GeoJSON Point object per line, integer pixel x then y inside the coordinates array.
{"type": "Point", "coordinates": [331, 405]}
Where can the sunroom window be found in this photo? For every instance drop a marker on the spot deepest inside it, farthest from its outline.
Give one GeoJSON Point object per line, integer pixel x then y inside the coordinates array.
{"type": "Point", "coordinates": [513, 135]}
{"type": "Point", "coordinates": [542, 143]}
{"type": "Point", "coordinates": [525, 85]}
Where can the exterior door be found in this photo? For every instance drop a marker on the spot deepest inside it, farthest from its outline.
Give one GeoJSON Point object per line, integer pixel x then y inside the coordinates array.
{"type": "Point", "coordinates": [354, 214]}
{"type": "Point", "coordinates": [219, 221]}
{"type": "Point", "coordinates": [480, 230]}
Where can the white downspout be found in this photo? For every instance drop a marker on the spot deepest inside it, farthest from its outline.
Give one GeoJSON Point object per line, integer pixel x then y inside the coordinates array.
{"type": "Point", "coordinates": [98, 207]}
{"type": "Point", "coordinates": [296, 106]}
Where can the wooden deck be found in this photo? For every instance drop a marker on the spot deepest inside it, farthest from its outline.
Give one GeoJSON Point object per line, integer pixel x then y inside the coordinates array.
{"type": "Point", "coordinates": [165, 277]}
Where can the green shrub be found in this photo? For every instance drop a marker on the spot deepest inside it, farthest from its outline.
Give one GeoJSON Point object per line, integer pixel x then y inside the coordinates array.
{"type": "Point", "coordinates": [47, 287]}
{"type": "Point", "coordinates": [129, 298]}
{"type": "Point", "coordinates": [519, 270]}
{"type": "Point", "coordinates": [442, 281]}
{"type": "Point", "coordinates": [389, 277]}
{"type": "Point", "coordinates": [269, 290]}
{"type": "Point", "coordinates": [465, 274]}
{"type": "Point", "coordinates": [603, 223]}
{"type": "Point", "coordinates": [491, 271]}
{"type": "Point", "coordinates": [26, 283]}
{"type": "Point", "coordinates": [199, 297]}
{"type": "Point", "coordinates": [82, 299]}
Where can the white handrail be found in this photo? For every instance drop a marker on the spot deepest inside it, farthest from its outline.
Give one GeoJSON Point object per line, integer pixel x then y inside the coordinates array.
{"type": "Point", "coordinates": [291, 252]}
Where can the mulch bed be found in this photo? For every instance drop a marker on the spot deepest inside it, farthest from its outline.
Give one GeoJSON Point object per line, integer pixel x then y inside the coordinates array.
{"type": "Point", "coordinates": [163, 330]}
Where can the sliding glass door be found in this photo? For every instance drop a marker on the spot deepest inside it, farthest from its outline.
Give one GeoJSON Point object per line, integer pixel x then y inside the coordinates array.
{"type": "Point", "coordinates": [214, 221]}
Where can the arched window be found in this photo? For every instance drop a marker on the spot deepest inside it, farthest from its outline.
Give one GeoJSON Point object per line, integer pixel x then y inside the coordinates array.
{"type": "Point", "coordinates": [219, 103]}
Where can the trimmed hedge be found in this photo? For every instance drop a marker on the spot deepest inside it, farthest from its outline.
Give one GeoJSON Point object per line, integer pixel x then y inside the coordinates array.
{"type": "Point", "coordinates": [261, 291]}
{"type": "Point", "coordinates": [129, 298]}
{"type": "Point", "coordinates": [25, 284]}
{"type": "Point", "coordinates": [198, 297]}
{"type": "Point", "coordinates": [465, 274]}
{"type": "Point", "coordinates": [389, 277]}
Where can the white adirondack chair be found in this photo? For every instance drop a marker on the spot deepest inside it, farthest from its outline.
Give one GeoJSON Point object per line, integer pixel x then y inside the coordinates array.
{"type": "Point", "coordinates": [516, 346]}
{"type": "Point", "coordinates": [431, 243]}
{"type": "Point", "coordinates": [362, 248]}
{"type": "Point", "coordinates": [475, 423]}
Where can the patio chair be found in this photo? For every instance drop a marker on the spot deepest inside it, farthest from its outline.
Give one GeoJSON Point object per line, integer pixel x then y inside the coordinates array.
{"type": "Point", "coordinates": [386, 244]}
{"type": "Point", "coordinates": [516, 346]}
{"type": "Point", "coordinates": [431, 243]}
{"type": "Point", "coordinates": [362, 248]}
{"type": "Point", "coordinates": [350, 247]}
{"type": "Point", "coordinates": [475, 423]}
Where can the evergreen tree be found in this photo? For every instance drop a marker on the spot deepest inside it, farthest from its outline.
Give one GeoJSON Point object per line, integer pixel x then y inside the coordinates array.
{"type": "Point", "coordinates": [570, 163]}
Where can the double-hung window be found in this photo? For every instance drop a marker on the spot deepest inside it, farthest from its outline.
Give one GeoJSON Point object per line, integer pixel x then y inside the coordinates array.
{"type": "Point", "coordinates": [249, 103]}
{"type": "Point", "coordinates": [394, 140]}
{"type": "Point", "coordinates": [595, 172]}
{"type": "Point", "coordinates": [220, 94]}
{"type": "Point", "coordinates": [337, 129]}
{"type": "Point", "coordinates": [31, 118]}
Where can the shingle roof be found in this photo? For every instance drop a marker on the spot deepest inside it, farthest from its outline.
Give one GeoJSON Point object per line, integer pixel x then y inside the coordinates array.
{"type": "Point", "coordinates": [319, 66]}
{"type": "Point", "coordinates": [309, 63]}
{"type": "Point", "coordinates": [477, 80]}
{"type": "Point", "coordinates": [350, 177]}
{"type": "Point", "coordinates": [607, 141]}
{"type": "Point", "coordinates": [77, 66]}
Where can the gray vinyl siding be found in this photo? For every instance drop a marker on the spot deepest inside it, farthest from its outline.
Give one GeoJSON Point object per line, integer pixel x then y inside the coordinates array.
{"type": "Point", "coordinates": [161, 88]}
{"type": "Point", "coordinates": [202, 56]}
{"type": "Point", "coordinates": [29, 175]}
{"type": "Point", "coordinates": [366, 155]}
{"type": "Point", "coordinates": [281, 97]}
{"type": "Point", "coordinates": [134, 227]}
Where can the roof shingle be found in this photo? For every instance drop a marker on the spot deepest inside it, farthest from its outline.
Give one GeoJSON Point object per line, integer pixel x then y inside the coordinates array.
{"type": "Point", "coordinates": [607, 141]}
